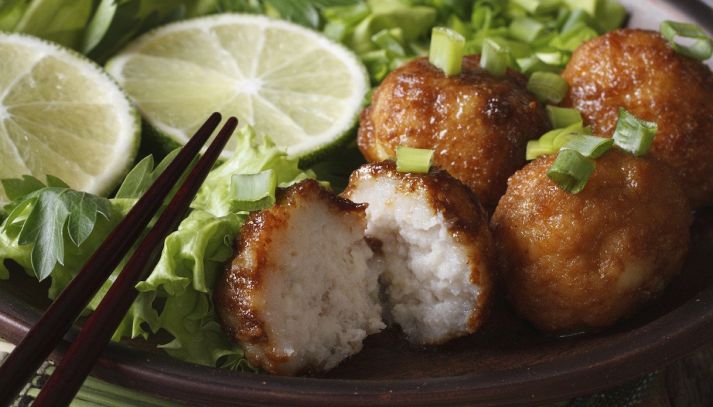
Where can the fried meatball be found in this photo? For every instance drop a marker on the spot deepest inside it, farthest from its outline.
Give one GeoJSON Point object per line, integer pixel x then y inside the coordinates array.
{"type": "Point", "coordinates": [477, 124]}
{"type": "Point", "coordinates": [434, 250]}
{"type": "Point", "coordinates": [299, 296]}
{"type": "Point", "coordinates": [583, 261]}
{"type": "Point", "coordinates": [637, 70]}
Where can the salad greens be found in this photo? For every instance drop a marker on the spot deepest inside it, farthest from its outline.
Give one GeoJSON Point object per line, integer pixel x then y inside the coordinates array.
{"type": "Point", "coordinates": [175, 298]}
{"type": "Point", "coordinates": [537, 34]}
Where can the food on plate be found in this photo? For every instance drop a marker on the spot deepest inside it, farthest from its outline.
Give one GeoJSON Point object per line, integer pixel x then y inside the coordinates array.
{"type": "Point", "coordinates": [583, 261]}
{"type": "Point", "coordinates": [433, 250]}
{"type": "Point", "coordinates": [284, 80]}
{"type": "Point", "coordinates": [61, 115]}
{"type": "Point", "coordinates": [299, 295]}
{"type": "Point", "coordinates": [638, 70]}
{"type": "Point", "coordinates": [478, 124]}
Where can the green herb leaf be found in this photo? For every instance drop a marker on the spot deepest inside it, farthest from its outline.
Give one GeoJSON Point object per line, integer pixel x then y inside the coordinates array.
{"type": "Point", "coordinates": [17, 188]}
{"type": "Point", "coordinates": [140, 178]}
{"type": "Point", "coordinates": [53, 210]}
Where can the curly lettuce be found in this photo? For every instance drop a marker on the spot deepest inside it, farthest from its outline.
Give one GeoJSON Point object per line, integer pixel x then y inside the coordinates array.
{"type": "Point", "coordinates": [175, 299]}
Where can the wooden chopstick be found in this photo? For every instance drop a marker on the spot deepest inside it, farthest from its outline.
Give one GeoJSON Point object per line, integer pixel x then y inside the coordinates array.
{"type": "Point", "coordinates": [56, 321]}
{"type": "Point", "coordinates": [96, 332]}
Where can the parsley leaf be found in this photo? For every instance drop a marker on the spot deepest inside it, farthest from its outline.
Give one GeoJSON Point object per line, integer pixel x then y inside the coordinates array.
{"type": "Point", "coordinates": [140, 178]}
{"type": "Point", "coordinates": [55, 210]}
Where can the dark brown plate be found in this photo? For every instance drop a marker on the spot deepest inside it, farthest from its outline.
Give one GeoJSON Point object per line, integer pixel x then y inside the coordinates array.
{"type": "Point", "coordinates": [508, 363]}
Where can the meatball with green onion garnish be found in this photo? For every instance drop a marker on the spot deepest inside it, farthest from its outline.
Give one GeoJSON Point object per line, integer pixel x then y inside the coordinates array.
{"type": "Point", "coordinates": [583, 261]}
{"type": "Point", "coordinates": [477, 123]}
{"type": "Point", "coordinates": [433, 247]}
{"type": "Point", "coordinates": [299, 295]}
{"type": "Point", "coordinates": [639, 71]}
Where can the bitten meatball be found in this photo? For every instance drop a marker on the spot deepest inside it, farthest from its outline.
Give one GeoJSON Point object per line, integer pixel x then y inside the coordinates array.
{"type": "Point", "coordinates": [583, 261]}
{"type": "Point", "coordinates": [637, 70]}
{"type": "Point", "coordinates": [433, 249]}
{"type": "Point", "coordinates": [477, 124]}
{"type": "Point", "coordinates": [299, 296]}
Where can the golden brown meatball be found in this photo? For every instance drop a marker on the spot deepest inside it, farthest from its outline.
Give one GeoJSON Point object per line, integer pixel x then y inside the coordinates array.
{"type": "Point", "coordinates": [477, 124]}
{"type": "Point", "coordinates": [637, 70]}
{"type": "Point", "coordinates": [435, 253]}
{"type": "Point", "coordinates": [578, 262]}
{"type": "Point", "coordinates": [299, 295]}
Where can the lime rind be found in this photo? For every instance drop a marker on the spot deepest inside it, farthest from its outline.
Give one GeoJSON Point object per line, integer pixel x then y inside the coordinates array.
{"type": "Point", "coordinates": [306, 146]}
{"type": "Point", "coordinates": [121, 154]}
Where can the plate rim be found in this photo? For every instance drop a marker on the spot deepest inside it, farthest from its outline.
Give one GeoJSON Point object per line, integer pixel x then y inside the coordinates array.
{"type": "Point", "coordinates": [627, 358]}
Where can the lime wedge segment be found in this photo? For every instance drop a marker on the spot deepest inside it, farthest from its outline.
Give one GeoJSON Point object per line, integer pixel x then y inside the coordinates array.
{"type": "Point", "coordinates": [61, 115]}
{"type": "Point", "coordinates": [287, 81]}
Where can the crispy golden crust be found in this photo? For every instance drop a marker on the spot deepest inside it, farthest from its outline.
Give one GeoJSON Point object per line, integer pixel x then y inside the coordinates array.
{"type": "Point", "coordinates": [239, 296]}
{"type": "Point", "coordinates": [478, 124]}
{"type": "Point", "coordinates": [465, 218]}
{"type": "Point", "coordinates": [637, 70]}
{"type": "Point", "coordinates": [579, 262]}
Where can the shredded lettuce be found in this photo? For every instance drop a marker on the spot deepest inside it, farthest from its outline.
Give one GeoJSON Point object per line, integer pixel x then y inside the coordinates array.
{"type": "Point", "coordinates": [176, 297]}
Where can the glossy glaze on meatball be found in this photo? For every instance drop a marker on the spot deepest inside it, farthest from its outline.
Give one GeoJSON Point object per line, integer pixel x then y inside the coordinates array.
{"type": "Point", "coordinates": [299, 295]}
{"type": "Point", "coordinates": [637, 70]}
{"type": "Point", "coordinates": [477, 124]}
{"type": "Point", "coordinates": [583, 261]}
{"type": "Point", "coordinates": [434, 250]}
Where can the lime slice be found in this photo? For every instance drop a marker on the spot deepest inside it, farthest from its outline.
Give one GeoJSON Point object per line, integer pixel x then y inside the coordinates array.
{"type": "Point", "coordinates": [288, 82]}
{"type": "Point", "coordinates": [61, 115]}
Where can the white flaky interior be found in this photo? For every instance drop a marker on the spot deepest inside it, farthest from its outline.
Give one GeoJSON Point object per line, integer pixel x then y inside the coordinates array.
{"type": "Point", "coordinates": [322, 298]}
{"type": "Point", "coordinates": [425, 272]}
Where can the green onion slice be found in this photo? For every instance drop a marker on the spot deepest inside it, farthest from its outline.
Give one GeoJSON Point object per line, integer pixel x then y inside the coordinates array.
{"type": "Point", "coordinates": [252, 192]}
{"type": "Point", "coordinates": [538, 6]}
{"type": "Point", "coordinates": [446, 50]}
{"type": "Point", "coordinates": [702, 46]}
{"type": "Point", "coordinates": [571, 171]}
{"type": "Point", "coordinates": [526, 29]}
{"type": "Point", "coordinates": [589, 146]}
{"type": "Point", "coordinates": [548, 86]}
{"type": "Point", "coordinates": [494, 57]}
{"type": "Point", "coordinates": [553, 140]}
{"type": "Point", "coordinates": [634, 135]}
{"type": "Point", "coordinates": [562, 116]}
{"type": "Point", "coordinates": [413, 159]}
{"type": "Point", "coordinates": [535, 149]}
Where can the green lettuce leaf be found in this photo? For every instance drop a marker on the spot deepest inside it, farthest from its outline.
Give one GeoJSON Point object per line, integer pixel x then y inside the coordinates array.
{"type": "Point", "coordinates": [194, 256]}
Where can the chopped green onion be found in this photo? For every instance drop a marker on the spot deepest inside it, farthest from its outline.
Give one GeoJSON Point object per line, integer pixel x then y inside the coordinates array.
{"type": "Point", "coordinates": [702, 46]}
{"type": "Point", "coordinates": [570, 40]}
{"type": "Point", "coordinates": [532, 64]}
{"type": "Point", "coordinates": [563, 138]}
{"type": "Point", "coordinates": [252, 192]}
{"type": "Point", "coordinates": [413, 159]}
{"type": "Point", "coordinates": [610, 15]}
{"type": "Point", "coordinates": [590, 6]}
{"type": "Point", "coordinates": [548, 86]}
{"type": "Point", "coordinates": [552, 56]}
{"type": "Point", "coordinates": [535, 149]}
{"type": "Point", "coordinates": [562, 116]}
{"type": "Point", "coordinates": [589, 146]}
{"type": "Point", "coordinates": [458, 25]}
{"type": "Point", "coordinates": [494, 58]}
{"type": "Point", "coordinates": [553, 140]}
{"type": "Point", "coordinates": [538, 6]}
{"type": "Point", "coordinates": [446, 51]}
{"type": "Point", "coordinates": [576, 18]}
{"type": "Point", "coordinates": [571, 171]}
{"type": "Point", "coordinates": [634, 135]}
{"type": "Point", "coordinates": [390, 40]}
{"type": "Point", "coordinates": [526, 29]}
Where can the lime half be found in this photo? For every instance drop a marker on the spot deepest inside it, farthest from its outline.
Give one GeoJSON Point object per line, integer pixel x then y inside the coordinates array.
{"type": "Point", "coordinates": [62, 115]}
{"type": "Point", "coordinates": [289, 82]}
